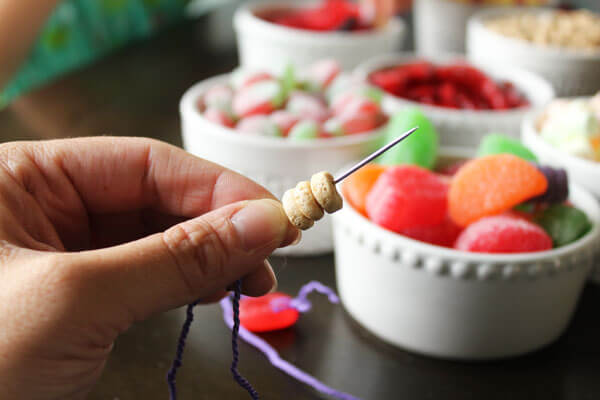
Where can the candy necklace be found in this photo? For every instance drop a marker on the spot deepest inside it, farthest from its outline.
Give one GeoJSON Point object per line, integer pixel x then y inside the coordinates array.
{"type": "Point", "coordinates": [303, 205]}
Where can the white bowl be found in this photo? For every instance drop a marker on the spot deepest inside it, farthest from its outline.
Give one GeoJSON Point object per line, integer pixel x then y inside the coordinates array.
{"type": "Point", "coordinates": [571, 72]}
{"type": "Point", "coordinates": [277, 164]}
{"type": "Point", "coordinates": [451, 304]}
{"type": "Point", "coordinates": [585, 173]}
{"type": "Point", "coordinates": [466, 127]}
{"type": "Point", "coordinates": [440, 26]}
{"type": "Point", "coordinates": [267, 46]}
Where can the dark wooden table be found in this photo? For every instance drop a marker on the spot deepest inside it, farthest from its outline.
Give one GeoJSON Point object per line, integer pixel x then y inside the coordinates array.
{"type": "Point", "coordinates": [136, 92]}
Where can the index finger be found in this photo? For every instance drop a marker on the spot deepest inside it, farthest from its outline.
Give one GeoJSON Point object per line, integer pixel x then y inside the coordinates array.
{"type": "Point", "coordinates": [116, 175]}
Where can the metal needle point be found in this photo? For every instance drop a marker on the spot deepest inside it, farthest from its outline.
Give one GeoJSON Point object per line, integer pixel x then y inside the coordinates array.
{"type": "Point", "coordinates": [374, 155]}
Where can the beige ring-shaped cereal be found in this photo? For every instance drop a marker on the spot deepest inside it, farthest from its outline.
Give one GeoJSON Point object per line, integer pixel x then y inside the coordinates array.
{"type": "Point", "coordinates": [324, 191]}
{"type": "Point", "coordinates": [305, 200]}
{"type": "Point", "coordinates": [293, 212]}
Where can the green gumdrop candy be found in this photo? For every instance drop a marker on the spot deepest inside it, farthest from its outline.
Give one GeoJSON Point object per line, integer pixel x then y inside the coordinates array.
{"type": "Point", "coordinates": [420, 148]}
{"type": "Point", "coordinates": [288, 79]}
{"type": "Point", "coordinates": [495, 143]}
{"type": "Point", "coordinates": [304, 130]}
{"type": "Point", "coordinates": [564, 224]}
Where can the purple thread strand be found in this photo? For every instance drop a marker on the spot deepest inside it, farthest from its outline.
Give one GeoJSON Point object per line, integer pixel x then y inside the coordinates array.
{"type": "Point", "coordinates": [272, 354]}
{"type": "Point", "coordinates": [178, 360]}
{"type": "Point", "coordinates": [235, 330]}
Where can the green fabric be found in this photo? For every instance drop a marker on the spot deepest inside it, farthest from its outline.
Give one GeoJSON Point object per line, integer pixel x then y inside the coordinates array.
{"type": "Point", "coordinates": [81, 31]}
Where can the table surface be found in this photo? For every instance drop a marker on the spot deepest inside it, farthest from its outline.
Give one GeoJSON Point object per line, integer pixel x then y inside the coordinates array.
{"type": "Point", "coordinates": [136, 92]}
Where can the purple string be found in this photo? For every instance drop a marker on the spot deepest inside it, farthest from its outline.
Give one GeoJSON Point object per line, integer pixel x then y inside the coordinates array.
{"type": "Point", "coordinates": [178, 361]}
{"type": "Point", "coordinates": [235, 328]}
{"type": "Point", "coordinates": [273, 356]}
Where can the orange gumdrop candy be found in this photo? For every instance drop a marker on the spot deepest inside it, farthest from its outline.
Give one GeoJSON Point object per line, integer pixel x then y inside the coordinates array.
{"type": "Point", "coordinates": [357, 186]}
{"type": "Point", "coordinates": [491, 185]}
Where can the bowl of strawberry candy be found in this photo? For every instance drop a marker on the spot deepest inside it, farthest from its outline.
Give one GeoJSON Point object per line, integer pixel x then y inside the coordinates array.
{"type": "Point", "coordinates": [463, 255]}
{"type": "Point", "coordinates": [464, 101]}
{"type": "Point", "coordinates": [279, 129]}
{"type": "Point", "coordinates": [273, 34]}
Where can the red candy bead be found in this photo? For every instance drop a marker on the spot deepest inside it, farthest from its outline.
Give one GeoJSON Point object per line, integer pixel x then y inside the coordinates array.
{"type": "Point", "coordinates": [267, 313]}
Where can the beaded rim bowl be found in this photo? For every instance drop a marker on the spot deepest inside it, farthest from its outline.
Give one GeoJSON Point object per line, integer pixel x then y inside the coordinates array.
{"type": "Point", "coordinates": [453, 304]}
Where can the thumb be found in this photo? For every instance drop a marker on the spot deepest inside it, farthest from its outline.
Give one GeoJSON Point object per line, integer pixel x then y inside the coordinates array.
{"type": "Point", "coordinates": [189, 261]}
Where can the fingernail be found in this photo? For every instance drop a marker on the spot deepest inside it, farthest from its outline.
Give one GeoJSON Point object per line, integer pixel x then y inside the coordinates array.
{"type": "Point", "coordinates": [298, 238]}
{"type": "Point", "coordinates": [270, 269]}
{"type": "Point", "coordinates": [260, 223]}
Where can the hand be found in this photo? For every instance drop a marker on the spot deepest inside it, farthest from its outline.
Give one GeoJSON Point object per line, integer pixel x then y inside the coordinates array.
{"type": "Point", "coordinates": [95, 235]}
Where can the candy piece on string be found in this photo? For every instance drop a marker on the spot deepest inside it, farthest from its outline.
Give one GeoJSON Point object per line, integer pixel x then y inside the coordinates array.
{"type": "Point", "coordinates": [500, 144]}
{"type": "Point", "coordinates": [491, 185]}
{"type": "Point", "coordinates": [267, 313]}
{"type": "Point", "coordinates": [301, 304]}
{"type": "Point", "coordinates": [564, 224]}
{"type": "Point", "coordinates": [558, 185]}
{"type": "Point", "coordinates": [407, 197]}
{"type": "Point", "coordinates": [420, 149]}
{"type": "Point", "coordinates": [503, 234]}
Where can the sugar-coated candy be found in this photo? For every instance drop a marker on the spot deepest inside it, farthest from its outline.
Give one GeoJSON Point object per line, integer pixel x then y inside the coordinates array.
{"type": "Point", "coordinates": [558, 185]}
{"type": "Point", "coordinates": [219, 116]}
{"type": "Point", "coordinates": [503, 234]}
{"type": "Point", "coordinates": [218, 96]}
{"type": "Point", "coordinates": [305, 130]}
{"type": "Point", "coordinates": [405, 197]}
{"type": "Point", "coordinates": [357, 186]}
{"type": "Point", "coordinates": [564, 224]}
{"type": "Point", "coordinates": [323, 72]}
{"type": "Point", "coordinates": [285, 120]}
{"type": "Point", "coordinates": [420, 148]}
{"type": "Point", "coordinates": [288, 79]}
{"type": "Point", "coordinates": [501, 144]}
{"type": "Point", "coordinates": [267, 313]}
{"type": "Point", "coordinates": [241, 78]}
{"type": "Point", "coordinates": [491, 185]}
{"type": "Point", "coordinates": [259, 98]}
{"type": "Point", "coordinates": [307, 106]}
{"type": "Point", "coordinates": [260, 125]}
{"type": "Point", "coordinates": [443, 234]}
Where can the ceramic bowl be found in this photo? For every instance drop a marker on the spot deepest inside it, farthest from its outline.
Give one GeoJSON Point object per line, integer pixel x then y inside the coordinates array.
{"type": "Point", "coordinates": [585, 173]}
{"type": "Point", "coordinates": [277, 164]}
{"type": "Point", "coordinates": [571, 72]}
{"type": "Point", "coordinates": [265, 45]}
{"type": "Point", "coordinates": [466, 127]}
{"type": "Point", "coordinates": [450, 304]}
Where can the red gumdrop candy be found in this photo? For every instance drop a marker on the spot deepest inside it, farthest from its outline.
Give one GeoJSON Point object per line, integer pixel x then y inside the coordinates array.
{"type": "Point", "coordinates": [406, 197]}
{"type": "Point", "coordinates": [443, 234]}
{"type": "Point", "coordinates": [503, 234]}
{"type": "Point", "coordinates": [267, 313]}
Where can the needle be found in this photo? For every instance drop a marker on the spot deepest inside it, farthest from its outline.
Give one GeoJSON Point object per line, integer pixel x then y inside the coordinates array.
{"type": "Point", "coordinates": [374, 155]}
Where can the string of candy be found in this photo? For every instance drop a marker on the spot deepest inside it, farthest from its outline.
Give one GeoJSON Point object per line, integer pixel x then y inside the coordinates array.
{"type": "Point", "coordinates": [235, 305]}
{"type": "Point", "coordinates": [178, 361]}
{"type": "Point", "coordinates": [302, 304]}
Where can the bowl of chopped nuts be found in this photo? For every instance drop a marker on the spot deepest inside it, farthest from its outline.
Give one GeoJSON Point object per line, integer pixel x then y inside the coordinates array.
{"type": "Point", "coordinates": [561, 46]}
